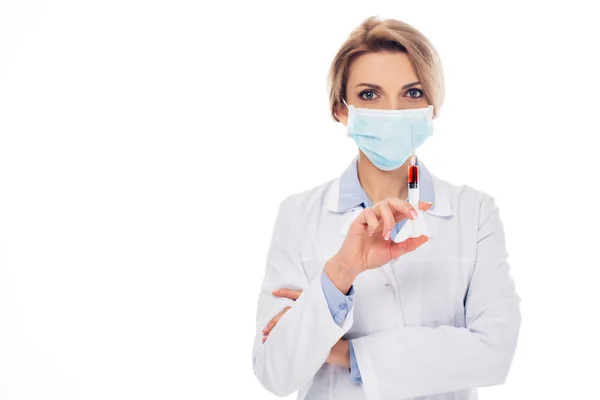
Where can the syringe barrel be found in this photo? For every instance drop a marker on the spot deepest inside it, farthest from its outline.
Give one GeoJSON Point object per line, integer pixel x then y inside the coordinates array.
{"type": "Point", "coordinates": [413, 176]}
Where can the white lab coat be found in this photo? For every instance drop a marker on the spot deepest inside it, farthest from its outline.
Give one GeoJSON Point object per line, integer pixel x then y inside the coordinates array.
{"type": "Point", "coordinates": [436, 322]}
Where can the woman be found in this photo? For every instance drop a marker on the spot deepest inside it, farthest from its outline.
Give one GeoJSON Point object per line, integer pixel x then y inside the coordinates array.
{"type": "Point", "coordinates": [346, 309]}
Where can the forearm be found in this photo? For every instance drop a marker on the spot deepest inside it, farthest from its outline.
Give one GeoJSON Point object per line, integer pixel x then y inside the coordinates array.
{"type": "Point", "coordinates": [340, 274]}
{"type": "Point", "coordinates": [299, 344]}
{"type": "Point", "coordinates": [340, 354]}
{"type": "Point", "coordinates": [419, 361]}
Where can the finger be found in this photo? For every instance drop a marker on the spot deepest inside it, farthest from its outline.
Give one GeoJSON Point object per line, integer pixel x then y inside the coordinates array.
{"type": "Point", "coordinates": [401, 208]}
{"type": "Point", "coordinates": [372, 221]}
{"type": "Point", "coordinates": [368, 220]}
{"type": "Point", "coordinates": [406, 246]}
{"type": "Point", "coordinates": [425, 205]}
{"type": "Point", "coordinates": [264, 339]}
{"type": "Point", "coordinates": [270, 326]}
{"type": "Point", "coordinates": [288, 293]}
{"type": "Point", "coordinates": [400, 215]}
{"type": "Point", "coordinates": [274, 321]}
{"type": "Point", "coordinates": [387, 217]}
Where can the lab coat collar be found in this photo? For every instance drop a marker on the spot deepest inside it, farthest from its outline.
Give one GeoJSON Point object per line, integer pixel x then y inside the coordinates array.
{"type": "Point", "coordinates": [345, 192]}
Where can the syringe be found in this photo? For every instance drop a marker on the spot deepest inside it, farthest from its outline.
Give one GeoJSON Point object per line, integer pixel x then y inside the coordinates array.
{"type": "Point", "coordinates": [413, 182]}
{"type": "Point", "coordinates": [413, 227]}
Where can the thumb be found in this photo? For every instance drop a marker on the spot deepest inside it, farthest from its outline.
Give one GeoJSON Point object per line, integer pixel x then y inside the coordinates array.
{"type": "Point", "coordinates": [406, 246]}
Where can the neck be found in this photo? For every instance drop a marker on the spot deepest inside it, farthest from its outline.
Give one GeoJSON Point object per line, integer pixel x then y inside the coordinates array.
{"type": "Point", "coordinates": [380, 185]}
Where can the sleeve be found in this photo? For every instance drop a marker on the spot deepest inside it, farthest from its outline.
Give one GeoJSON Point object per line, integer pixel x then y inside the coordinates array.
{"type": "Point", "coordinates": [354, 371]}
{"type": "Point", "coordinates": [338, 303]}
{"type": "Point", "coordinates": [406, 362]}
{"type": "Point", "coordinates": [300, 343]}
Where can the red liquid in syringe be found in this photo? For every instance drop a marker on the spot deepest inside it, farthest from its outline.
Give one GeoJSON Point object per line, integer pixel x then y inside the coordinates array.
{"type": "Point", "coordinates": [413, 174]}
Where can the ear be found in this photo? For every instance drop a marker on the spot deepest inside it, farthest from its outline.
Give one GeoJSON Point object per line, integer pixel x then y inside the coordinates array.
{"type": "Point", "coordinates": [341, 112]}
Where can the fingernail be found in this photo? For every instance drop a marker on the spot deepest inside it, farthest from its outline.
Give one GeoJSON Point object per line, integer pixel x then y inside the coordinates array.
{"type": "Point", "coordinates": [413, 214]}
{"type": "Point", "coordinates": [387, 235]}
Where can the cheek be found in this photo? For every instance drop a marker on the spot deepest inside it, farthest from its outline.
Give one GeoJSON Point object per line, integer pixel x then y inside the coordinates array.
{"type": "Point", "coordinates": [420, 102]}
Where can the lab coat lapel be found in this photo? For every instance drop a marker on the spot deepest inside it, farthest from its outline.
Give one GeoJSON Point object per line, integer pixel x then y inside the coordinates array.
{"type": "Point", "coordinates": [349, 217]}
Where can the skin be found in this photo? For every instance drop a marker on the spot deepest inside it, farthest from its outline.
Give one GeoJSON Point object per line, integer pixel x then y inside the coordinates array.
{"type": "Point", "coordinates": [381, 80]}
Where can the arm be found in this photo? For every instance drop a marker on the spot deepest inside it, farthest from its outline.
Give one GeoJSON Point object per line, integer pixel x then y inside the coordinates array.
{"type": "Point", "coordinates": [339, 305]}
{"type": "Point", "coordinates": [419, 361]}
{"type": "Point", "coordinates": [303, 338]}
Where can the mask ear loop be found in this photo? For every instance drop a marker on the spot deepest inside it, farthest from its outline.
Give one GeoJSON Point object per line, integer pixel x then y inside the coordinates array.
{"type": "Point", "coordinates": [344, 101]}
{"type": "Point", "coordinates": [412, 139]}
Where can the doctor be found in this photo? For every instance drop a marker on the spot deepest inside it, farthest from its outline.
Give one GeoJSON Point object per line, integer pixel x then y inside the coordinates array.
{"type": "Point", "coordinates": [349, 309]}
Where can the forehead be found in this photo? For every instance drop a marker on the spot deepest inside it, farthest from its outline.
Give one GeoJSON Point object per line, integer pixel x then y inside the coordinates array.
{"type": "Point", "coordinates": [389, 69]}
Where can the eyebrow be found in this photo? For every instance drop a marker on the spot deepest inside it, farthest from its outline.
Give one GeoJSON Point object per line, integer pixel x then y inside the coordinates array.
{"type": "Point", "coordinates": [377, 87]}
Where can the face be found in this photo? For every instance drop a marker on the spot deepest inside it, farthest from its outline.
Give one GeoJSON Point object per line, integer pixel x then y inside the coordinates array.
{"type": "Point", "coordinates": [383, 80]}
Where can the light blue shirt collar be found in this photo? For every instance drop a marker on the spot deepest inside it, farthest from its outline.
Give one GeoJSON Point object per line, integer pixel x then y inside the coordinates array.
{"type": "Point", "coordinates": [352, 193]}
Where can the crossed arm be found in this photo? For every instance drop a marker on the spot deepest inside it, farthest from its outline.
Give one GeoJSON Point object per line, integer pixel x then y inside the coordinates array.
{"type": "Point", "coordinates": [342, 353]}
{"type": "Point", "coordinates": [400, 362]}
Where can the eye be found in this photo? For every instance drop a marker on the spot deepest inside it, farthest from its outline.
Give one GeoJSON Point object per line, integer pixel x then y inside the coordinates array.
{"type": "Point", "coordinates": [367, 95]}
{"type": "Point", "coordinates": [415, 93]}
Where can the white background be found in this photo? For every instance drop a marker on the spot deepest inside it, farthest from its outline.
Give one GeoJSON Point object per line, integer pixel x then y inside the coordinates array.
{"type": "Point", "coordinates": [146, 145]}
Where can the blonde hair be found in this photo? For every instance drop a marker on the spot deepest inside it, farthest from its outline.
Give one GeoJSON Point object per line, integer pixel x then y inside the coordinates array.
{"type": "Point", "coordinates": [392, 35]}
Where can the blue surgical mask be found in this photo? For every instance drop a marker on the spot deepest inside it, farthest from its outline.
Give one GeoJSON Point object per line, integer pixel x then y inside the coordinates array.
{"type": "Point", "coordinates": [388, 137]}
